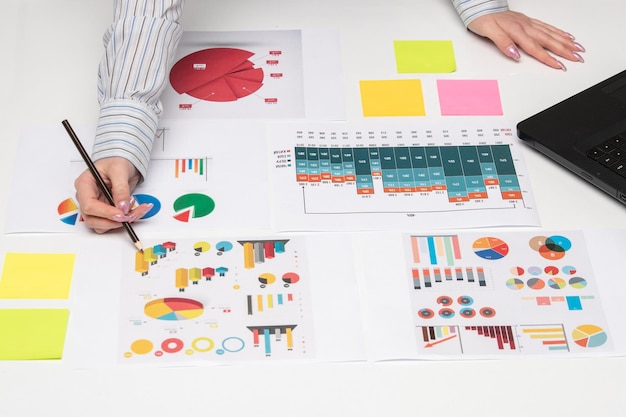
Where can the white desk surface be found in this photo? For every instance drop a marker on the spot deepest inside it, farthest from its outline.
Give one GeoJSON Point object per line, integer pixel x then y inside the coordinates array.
{"type": "Point", "coordinates": [50, 50]}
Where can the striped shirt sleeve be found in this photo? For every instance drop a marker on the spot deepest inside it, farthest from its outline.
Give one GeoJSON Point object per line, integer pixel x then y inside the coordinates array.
{"type": "Point", "coordinates": [471, 9]}
{"type": "Point", "coordinates": [140, 47]}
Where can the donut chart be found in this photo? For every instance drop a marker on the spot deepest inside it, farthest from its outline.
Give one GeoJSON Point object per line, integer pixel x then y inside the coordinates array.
{"type": "Point", "coordinates": [490, 248]}
{"type": "Point", "coordinates": [217, 74]}
{"type": "Point", "coordinates": [173, 309]}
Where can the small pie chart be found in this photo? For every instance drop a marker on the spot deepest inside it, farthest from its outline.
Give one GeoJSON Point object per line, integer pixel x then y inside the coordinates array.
{"type": "Point", "coordinates": [173, 309]}
{"type": "Point", "coordinates": [589, 336]}
{"type": "Point", "coordinates": [490, 248]}
{"type": "Point", "coordinates": [267, 279]}
{"type": "Point", "coordinates": [193, 206]}
{"type": "Point", "coordinates": [68, 212]}
{"type": "Point", "coordinates": [223, 246]}
{"type": "Point", "coordinates": [290, 278]}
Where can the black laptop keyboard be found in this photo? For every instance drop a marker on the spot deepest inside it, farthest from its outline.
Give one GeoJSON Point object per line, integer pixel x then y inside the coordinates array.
{"type": "Point", "coordinates": [611, 153]}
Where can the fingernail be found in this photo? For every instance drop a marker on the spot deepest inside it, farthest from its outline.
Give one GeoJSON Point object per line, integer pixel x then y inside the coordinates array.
{"type": "Point", "coordinates": [125, 219]}
{"type": "Point", "coordinates": [562, 66]}
{"type": "Point", "coordinates": [125, 206]}
{"type": "Point", "coordinates": [572, 37]}
{"type": "Point", "coordinates": [578, 57]}
{"type": "Point", "coordinates": [147, 209]}
{"type": "Point", "coordinates": [579, 47]}
{"type": "Point", "coordinates": [513, 52]}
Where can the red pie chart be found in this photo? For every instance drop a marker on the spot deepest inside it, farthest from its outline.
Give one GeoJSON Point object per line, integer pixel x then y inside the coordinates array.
{"type": "Point", "coordinates": [217, 74]}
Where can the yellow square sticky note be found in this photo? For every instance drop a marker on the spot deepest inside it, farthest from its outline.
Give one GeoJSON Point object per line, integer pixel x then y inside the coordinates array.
{"type": "Point", "coordinates": [424, 56]}
{"type": "Point", "coordinates": [36, 275]}
{"type": "Point", "coordinates": [32, 333]}
{"type": "Point", "coordinates": [381, 98]}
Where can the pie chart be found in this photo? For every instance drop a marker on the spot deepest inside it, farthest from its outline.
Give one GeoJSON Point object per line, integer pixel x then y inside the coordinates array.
{"type": "Point", "coordinates": [68, 210]}
{"type": "Point", "coordinates": [589, 336]}
{"type": "Point", "coordinates": [173, 309]}
{"type": "Point", "coordinates": [193, 206]}
{"type": "Point", "coordinates": [515, 283]}
{"type": "Point", "coordinates": [578, 282]}
{"type": "Point", "coordinates": [216, 74]}
{"type": "Point", "coordinates": [267, 278]}
{"type": "Point", "coordinates": [223, 246]}
{"type": "Point", "coordinates": [290, 278]}
{"type": "Point", "coordinates": [490, 248]}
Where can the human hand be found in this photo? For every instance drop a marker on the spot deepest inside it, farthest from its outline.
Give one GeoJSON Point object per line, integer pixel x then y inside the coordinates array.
{"type": "Point", "coordinates": [121, 177]}
{"type": "Point", "coordinates": [510, 30]}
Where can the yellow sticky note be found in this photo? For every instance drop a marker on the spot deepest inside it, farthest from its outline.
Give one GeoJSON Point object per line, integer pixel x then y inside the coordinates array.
{"type": "Point", "coordinates": [32, 333]}
{"type": "Point", "coordinates": [424, 56]}
{"type": "Point", "coordinates": [381, 98]}
{"type": "Point", "coordinates": [36, 275]}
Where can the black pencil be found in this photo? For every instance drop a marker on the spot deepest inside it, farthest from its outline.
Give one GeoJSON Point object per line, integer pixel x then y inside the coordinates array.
{"type": "Point", "coordinates": [99, 180]}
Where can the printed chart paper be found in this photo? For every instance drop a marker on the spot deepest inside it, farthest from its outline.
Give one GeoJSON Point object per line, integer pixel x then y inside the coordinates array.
{"type": "Point", "coordinates": [486, 294]}
{"type": "Point", "coordinates": [210, 175]}
{"type": "Point", "coordinates": [342, 176]}
{"type": "Point", "coordinates": [256, 74]}
{"type": "Point", "coordinates": [295, 296]}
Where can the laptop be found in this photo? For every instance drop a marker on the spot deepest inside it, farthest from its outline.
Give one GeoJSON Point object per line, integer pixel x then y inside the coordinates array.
{"type": "Point", "coordinates": [586, 133]}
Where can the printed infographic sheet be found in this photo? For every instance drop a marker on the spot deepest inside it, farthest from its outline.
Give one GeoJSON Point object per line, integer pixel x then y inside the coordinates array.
{"type": "Point", "coordinates": [212, 300]}
{"type": "Point", "coordinates": [256, 74]}
{"type": "Point", "coordinates": [381, 176]}
{"type": "Point", "coordinates": [210, 175]}
{"type": "Point", "coordinates": [486, 294]}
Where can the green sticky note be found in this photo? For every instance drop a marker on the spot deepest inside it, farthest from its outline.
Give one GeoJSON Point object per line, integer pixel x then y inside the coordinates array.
{"type": "Point", "coordinates": [37, 275]}
{"type": "Point", "coordinates": [424, 56]}
{"type": "Point", "coordinates": [386, 98]}
{"type": "Point", "coordinates": [32, 333]}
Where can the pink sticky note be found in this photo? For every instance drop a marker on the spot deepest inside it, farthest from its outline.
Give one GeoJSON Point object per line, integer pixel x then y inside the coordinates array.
{"type": "Point", "coordinates": [469, 98]}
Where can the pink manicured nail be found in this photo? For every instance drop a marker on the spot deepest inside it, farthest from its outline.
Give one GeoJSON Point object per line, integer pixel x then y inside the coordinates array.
{"type": "Point", "coordinates": [563, 67]}
{"type": "Point", "coordinates": [513, 52]}
{"type": "Point", "coordinates": [578, 57]}
{"type": "Point", "coordinates": [125, 219]}
{"type": "Point", "coordinates": [579, 47]}
{"type": "Point", "coordinates": [125, 206]}
{"type": "Point", "coordinates": [572, 37]}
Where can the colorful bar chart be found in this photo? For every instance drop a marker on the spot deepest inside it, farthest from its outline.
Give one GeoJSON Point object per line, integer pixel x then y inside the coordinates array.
{"type": "Point", "coordinates": [195, 166]}
{"type": "Point", "coordinates": [265, 333]}
{"type": "Point", "coordinates": [502, 335]}
{"type": "Point", "coordinates": [546, 338]}
{"type": "Point", "coordinates": [463, 172]}
{"type": "Point", "coordinates": [257, 251]}
{"type": "Point", "coordinates": [424, 278]}
{"type": "Point", "coordinates": [436, 250]}
{"type": "Point", "coordinates": [265, 302]}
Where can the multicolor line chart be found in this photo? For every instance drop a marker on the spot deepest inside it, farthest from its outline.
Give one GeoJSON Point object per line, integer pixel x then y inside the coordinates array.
{"type": "Point", "coordinates": [217, 300]}
{"type": "Point", "coordinates": [399, 175]}
{"type": "Point", "coordinates": [508, 294]}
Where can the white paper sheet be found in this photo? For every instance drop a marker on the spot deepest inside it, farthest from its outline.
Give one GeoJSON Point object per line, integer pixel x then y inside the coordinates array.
{"type": "Point", "coordinates": [257, 74]}
{"type": "Point", "coordinates": [487, 294]}
{"type": "Point", "coordinates": [392, 175]}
